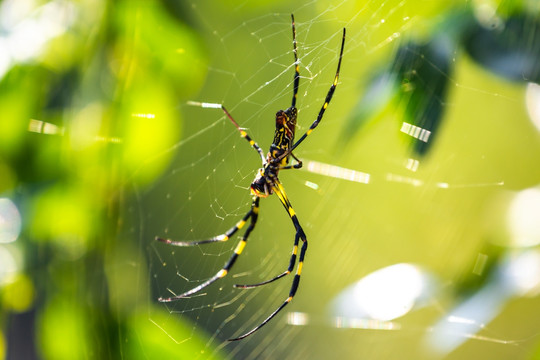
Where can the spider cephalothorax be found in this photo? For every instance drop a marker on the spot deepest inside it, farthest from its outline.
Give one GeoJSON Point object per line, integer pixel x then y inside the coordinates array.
{"type": "Point", "coordinates": [278, 156]}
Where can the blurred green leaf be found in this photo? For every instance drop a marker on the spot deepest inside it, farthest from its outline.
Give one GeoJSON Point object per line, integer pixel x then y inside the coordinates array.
{"type": "Point", "coordinates": [2, 345]}
{"type": "Point", "coordinates": [152, 43]}
{"type": "Point", "coordinates": [416, 82]}
{"type": "Point", "coordinates": [63, 330]}
{"type": "Point", "coordinates": [510, 47]}
{"type": "Point", "coordinates": [66, 216]}
{"type": "Point", "coordinates": [18, 295]}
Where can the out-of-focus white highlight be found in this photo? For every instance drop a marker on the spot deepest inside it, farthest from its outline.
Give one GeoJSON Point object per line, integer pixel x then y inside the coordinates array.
{"type": "Point", "coordinates": [520, 274]}
{"type": "Point", "coordinates": [412, 164]}
{"type": "Point", "coordinates": [532, 99]}
{"type": "Point", "coordinates": [524, 218]}
{"type": "Point", "coordinates": [342, 322]}
{"type": "Point", "coordinates": [415, 131]}
{"type": "Point", "coordinates": [485, 12]}
{"type": "Point", "coordinates": [337, 172]}
{"type": "Point", "coordinates": [144, 116]}
{"type": "Point", "coordinates": [312, 185]}
{"type": "Point", "coordinates": [384, 295]}
{"type": "Point", "coordinates": [46, 128]}
{"type": "Point", "coordinates": [8, 264]}
{"type": "Point", "coordinates": [297, 318]}
{"type": "Point", "coordinates": [10, 221]}
{"type": "Point", "coordinates": [403, 179]}
{"type": "Point", "coordinates": [27, 27]}
{"type": "Point", "coordinates": [43, 127]}
{"type": "Point", "coordinates": [204, 104]}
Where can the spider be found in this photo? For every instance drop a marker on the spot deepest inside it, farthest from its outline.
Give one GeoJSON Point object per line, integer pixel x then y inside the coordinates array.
{"type": "Point", "coordinates": [266, 182]}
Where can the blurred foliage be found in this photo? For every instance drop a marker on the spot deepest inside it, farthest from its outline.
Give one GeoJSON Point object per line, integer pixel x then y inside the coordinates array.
{"type": "Point", "coordinates": [422, 69]}
{"type": "Point", "coordinates": [510, 51]}
{"type": "Point", "coordinates": [87, 100]}
{"type": "Point", "coordinates": [18, 295]}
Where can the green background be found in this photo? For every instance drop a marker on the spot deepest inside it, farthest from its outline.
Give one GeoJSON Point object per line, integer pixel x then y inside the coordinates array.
{"type": "Point", "coordinates": [134, 162]}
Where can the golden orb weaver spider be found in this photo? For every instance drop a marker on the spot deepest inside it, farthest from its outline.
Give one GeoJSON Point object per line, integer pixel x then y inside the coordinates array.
{"type": "Point", "coordinates": [266, 182]}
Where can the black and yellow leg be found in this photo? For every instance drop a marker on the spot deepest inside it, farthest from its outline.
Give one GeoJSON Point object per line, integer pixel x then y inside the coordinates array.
{"type": "Point", "coordinates": [219, 238]}
{"type": "Point", "coordinates": [329, 96]}
{"type": "Point", "coordinates": [252, 215]}
{"type": "Point", "coordinates": [243, 133]}
{"type": "Point", "coordinates": [286, 272]}
{"type": "Point", "coordinates": [300, 235]}
{"type": "Point", "coordinates": [298, 164]}
{"type": "Point", "coordinates": [296, 65]}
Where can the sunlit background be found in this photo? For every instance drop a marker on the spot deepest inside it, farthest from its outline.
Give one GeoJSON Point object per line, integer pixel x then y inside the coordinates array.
{"type": "Point", "coordinates": [419, 194]}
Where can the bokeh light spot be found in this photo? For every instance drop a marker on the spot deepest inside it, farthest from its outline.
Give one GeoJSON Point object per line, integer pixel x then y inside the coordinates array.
{"type": "Point", "coordinates": [10, 221]}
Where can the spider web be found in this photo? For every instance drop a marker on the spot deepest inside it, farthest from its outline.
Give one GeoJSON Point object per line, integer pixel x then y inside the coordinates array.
{"type": "Point", "coordinates": [364, 206]}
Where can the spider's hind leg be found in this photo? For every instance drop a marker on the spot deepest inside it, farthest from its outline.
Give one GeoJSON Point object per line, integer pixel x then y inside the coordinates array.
{"type": "Point", "coordinates": [252, 214]}
{"type": "Point", "coordinates": [280, 191]}
{"type": "Point", "coordinates": [219, 238]}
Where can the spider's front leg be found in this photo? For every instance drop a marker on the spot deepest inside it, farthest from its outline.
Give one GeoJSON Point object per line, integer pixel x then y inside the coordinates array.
{"type": "Point", "coordinates": [251, 215]}
{"type": "Point", "coordinates": [243, 132]}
